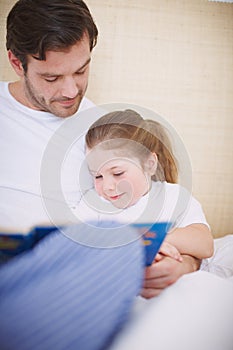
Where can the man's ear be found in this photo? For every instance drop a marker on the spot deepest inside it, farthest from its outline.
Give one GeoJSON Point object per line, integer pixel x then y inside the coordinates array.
{"type": "Point", "coordinates": [151, 164]}
{"type": "Point", "coordinates": [16, 64]}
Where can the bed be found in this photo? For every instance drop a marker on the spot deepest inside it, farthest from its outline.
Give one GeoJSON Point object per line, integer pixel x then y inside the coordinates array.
{"type": "Point", "coordinates": [195, 313]}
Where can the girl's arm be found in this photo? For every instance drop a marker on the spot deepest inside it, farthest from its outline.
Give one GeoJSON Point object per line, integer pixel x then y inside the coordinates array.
{"type": "Point", "coordinates": [195, 240]}
{"type": "Point", "coordinates": [168, 249]}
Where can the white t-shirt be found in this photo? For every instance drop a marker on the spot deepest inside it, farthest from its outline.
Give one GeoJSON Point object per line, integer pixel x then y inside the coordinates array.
{"type": "Point", "coordinates": [40, 157]}
{"type": "Point", "coordinates": [165, 202]}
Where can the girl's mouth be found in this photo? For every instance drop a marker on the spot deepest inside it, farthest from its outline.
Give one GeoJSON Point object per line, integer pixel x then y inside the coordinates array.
{"type": "Point", "coordinates": [113, 198]}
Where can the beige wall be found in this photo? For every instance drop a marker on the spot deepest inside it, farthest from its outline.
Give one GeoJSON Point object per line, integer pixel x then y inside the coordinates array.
{"type": "Point", "coordinates": [176, 58]}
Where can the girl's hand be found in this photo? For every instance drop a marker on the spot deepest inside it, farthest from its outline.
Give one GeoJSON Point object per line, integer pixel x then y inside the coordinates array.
{"type": "Point", "coordinates": [167, 249]}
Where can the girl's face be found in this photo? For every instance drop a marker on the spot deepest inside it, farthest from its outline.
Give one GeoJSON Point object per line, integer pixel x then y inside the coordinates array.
{"type": "Point", "coordinates": [120, 180]}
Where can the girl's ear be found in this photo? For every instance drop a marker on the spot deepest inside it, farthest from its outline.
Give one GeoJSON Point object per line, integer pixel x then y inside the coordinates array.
{"type": "Point", "coordinates": [151, 164]}
{"type": "Point", "coordinates": [16, 64]}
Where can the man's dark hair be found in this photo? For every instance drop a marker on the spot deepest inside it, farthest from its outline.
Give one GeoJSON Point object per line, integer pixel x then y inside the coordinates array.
{"type": "Point", "coordinates": [36, 26]}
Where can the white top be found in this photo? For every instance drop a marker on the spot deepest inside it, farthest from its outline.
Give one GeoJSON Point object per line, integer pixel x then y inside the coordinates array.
{"type": "Point", "coordinates": [164, 202]}
{"type": "Point", "coordinates": [40, 154]}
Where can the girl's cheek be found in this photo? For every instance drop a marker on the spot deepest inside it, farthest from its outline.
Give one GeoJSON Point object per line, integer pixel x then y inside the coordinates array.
{"type": "Point", "coordinates": [125, 185]}
{"type": "Point", "coordinates": [97, 187]}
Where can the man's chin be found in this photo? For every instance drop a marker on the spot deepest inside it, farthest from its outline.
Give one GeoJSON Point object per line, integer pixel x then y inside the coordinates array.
{"type": "Point", "coordinates": [65, 112]}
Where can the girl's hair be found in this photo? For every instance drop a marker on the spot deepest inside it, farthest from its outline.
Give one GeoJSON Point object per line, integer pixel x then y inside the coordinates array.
{"type": "Point", "coordinates": [130, 125]}
{"type": "Point", "coordinates": [37, 26]}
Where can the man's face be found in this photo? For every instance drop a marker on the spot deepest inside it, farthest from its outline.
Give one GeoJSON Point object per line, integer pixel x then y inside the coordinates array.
{"type": "Point", "coordinates": [58, 84]}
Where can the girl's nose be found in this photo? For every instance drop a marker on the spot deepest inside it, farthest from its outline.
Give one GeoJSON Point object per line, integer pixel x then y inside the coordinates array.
{"type": "Point", "coordinates": [109, 184]}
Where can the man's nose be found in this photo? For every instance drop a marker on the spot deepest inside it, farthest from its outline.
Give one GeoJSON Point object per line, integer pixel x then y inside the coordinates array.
{"type": "Point", "coordinates": [70, 88]}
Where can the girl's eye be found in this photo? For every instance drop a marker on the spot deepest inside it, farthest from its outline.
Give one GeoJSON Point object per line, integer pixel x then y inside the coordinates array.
{"type": "Point", "coordinates": [119, 174]}
{"type": "Point", "coordinates": [98, 177]}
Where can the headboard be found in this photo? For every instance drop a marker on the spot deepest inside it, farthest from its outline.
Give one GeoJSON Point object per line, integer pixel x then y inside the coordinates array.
{"type": "Point", "coordinates": [174, 57]}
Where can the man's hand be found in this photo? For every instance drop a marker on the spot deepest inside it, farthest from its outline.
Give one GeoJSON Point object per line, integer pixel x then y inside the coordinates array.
{"type": "Point", "coordinates": [165, 272]}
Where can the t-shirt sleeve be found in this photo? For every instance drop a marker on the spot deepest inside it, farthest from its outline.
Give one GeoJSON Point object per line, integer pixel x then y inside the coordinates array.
{"type": "Point", "coordinates": [193, 214]}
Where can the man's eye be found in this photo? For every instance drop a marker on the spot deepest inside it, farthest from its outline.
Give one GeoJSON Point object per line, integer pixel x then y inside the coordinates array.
{"type": "Point", "coordinates": [50, 80]}
{"type": "Point", "coordinates": [81, 72]}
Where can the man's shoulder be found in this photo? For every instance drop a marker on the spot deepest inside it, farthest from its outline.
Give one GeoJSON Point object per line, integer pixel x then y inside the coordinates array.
{"type": "Point", "coordinates": [3, 88]}
{"type": "Point", "coordinates": [4, 82]}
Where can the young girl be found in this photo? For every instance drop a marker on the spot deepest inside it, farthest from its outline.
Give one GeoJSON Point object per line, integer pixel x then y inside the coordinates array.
{"type": "Point", "coordinates": [135, 175]}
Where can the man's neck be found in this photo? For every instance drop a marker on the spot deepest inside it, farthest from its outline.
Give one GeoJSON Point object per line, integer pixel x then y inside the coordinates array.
{"type": "Point", "coordinates": [16, 90]}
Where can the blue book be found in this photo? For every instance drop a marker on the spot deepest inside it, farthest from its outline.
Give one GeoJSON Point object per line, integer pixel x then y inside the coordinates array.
{"type": "Point", "coordinates": [12, 244]}
{"type": "Point", "coordinates": [153, 236]}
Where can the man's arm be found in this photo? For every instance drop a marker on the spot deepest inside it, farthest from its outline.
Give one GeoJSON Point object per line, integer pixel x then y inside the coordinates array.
{"type": "Point", "coordinates": [165, 272]}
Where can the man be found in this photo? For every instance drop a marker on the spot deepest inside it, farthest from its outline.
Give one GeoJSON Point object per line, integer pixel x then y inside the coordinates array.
{"type": "Point", "coordinates": [51, 55]}
{"type": "Point", "coordinates": [49, 46]}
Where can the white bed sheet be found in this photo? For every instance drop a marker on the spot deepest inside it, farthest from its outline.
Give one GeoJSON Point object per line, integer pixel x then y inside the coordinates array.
{"type": "Point", "coordinates": [195, 313]}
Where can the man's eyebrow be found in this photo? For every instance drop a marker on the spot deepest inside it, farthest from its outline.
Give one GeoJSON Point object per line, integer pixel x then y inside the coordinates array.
{"type": "Point", "coordinates": [47, 74]}
{"type": "Point", "coordinates": [85, 64]}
